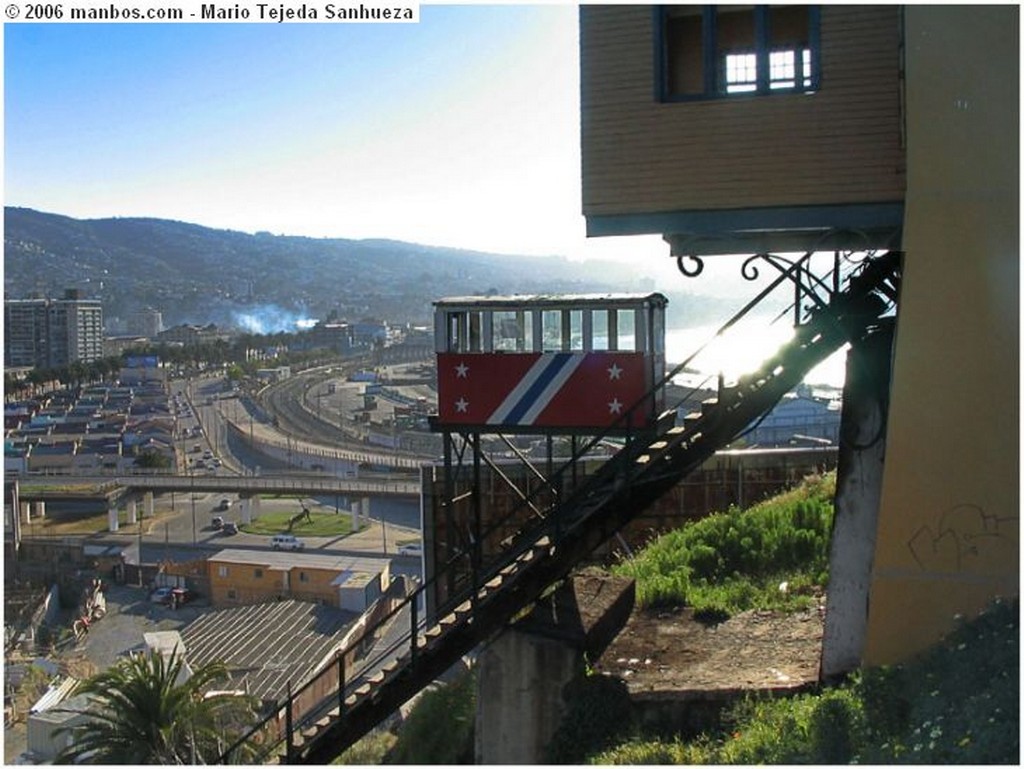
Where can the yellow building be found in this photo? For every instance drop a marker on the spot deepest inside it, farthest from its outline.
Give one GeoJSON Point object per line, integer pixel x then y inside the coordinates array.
{"type": "Point", "coordinates": [746, 129]}
{"type": "Point", "coordinates": [252, 576]}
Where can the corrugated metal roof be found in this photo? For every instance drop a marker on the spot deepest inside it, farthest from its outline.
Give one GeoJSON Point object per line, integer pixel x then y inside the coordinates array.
{"type": "Point", "coordinates": [289, 559]}
{"type": "Point", "coordinates": [54, 695]}
{"type": "Point", "coordinates": [267, 645]}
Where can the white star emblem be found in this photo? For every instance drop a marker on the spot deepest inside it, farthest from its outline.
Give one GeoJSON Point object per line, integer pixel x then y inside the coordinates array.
{"type": "Point", "coordinates": [615, 407]}
{"type": "Point", "coordinates": [614, 372]}
{"type": "Point", "coordinates": [461, 405]}
{"type": "Point", "coordinates": [461, 371]}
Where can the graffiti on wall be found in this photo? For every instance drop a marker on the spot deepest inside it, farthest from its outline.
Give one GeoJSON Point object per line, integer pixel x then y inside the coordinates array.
{"type": "Point", "coordinates": [965, 538]}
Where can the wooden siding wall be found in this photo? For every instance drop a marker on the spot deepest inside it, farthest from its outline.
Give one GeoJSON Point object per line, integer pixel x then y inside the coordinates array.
{"type": "Point", "coordinates": [841, 145]}
{"type": "Point", "coordinates": [248, 588]}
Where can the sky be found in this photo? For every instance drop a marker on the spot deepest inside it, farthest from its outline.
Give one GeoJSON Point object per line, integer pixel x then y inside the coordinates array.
{"type": "Point", "coordinates": [461, 130]}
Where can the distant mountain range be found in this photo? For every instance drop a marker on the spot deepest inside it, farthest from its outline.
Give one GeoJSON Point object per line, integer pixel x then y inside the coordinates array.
{"type": "Point", "coordinates": [265, 282]}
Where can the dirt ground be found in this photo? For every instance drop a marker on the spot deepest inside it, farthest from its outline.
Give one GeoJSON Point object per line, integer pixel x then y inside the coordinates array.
{"type": "Point", "coordinates": [667, 651]}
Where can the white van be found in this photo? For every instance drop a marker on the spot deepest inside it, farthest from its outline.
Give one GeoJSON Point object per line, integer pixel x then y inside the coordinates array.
{"type": "Point", "coordinates": [286, 542]}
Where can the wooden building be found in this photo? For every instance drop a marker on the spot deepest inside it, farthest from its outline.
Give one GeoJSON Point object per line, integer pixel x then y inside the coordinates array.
{"type": "Point", "coordinates": [252, 576]}
{"type": "Point", "coordinates": [750, 129]}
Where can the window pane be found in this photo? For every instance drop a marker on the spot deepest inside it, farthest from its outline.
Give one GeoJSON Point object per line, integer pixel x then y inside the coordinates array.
{"type": "Point", "coordinates": [736, 52]}
{"type": "Point", "coordinates": [458, 335]}
{"type": "Point", "coordinates": [475, 336]}
{"type": "Point", "coordinates": [789, 30]}
{"type": "Point", "coordinates": [525, 330]}
{"type": "Point", "coordinates": [788, 27]}
{"type": "Point", "coordinates": [684, 50]}
{"type": "Point", "coordinates": [782, 69]}
{"type": "Point", "coordinates": [627, 330]}
{"type": "Point", "coordinates": [600, 330]}
{"type": "Point", "coordinates": [507, 331]}
{"type": "Point", "coordinates": [575, 329]}
{"type": "Point", "coordinates": [552, 325]}
{"type": "Point", "coordinates": [741, 72]}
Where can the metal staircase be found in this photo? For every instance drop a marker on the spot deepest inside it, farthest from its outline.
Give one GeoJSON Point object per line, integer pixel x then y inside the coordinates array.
{"type": "Point", "coordinates": [343, 702]}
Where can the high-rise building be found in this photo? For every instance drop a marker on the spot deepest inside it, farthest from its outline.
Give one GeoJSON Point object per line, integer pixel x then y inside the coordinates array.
{"type": "Point", "coordinates": [47, 333]}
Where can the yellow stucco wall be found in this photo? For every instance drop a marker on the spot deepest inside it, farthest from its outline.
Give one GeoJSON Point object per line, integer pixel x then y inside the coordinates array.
{"type": "Point", "coordinates": [948, 525]}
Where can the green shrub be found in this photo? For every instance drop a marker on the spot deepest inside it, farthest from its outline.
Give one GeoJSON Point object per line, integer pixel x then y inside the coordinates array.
{"type": "Point", "coordinates": [833, 725]}
{"type": "Point", "coordinates": [371, 750]}
{"type": "Point", "coordinates": [598, 714]}
{"type": "Point", "coordinates": [440, 728]}
{"type": "Point", "coordinates": [639, 753]}
{"type": "Point", "coordinates": [736, 560]}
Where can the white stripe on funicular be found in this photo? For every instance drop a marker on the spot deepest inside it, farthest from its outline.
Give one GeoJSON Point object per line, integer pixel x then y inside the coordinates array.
{"type": "Point", "coordinates": [540, 369]}
{"type": "Point", "coordinates": [499, 414]}
{"type": "Point", "coordinates": [551, 390]}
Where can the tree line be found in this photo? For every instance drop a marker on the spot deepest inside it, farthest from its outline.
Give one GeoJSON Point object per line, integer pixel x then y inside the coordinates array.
{"type": "Point", "coordinates": [241, 357]}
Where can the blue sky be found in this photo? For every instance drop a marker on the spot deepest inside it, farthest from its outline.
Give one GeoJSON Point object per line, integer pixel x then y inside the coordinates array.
{"type": "Point", "coordinates": [461, 130]}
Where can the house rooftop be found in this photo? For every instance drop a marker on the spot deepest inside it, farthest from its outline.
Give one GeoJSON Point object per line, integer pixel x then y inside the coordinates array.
{"type": "Point", "coordinates": [279, 559]}
{"type": "Point", "coordinates": [266, 645]}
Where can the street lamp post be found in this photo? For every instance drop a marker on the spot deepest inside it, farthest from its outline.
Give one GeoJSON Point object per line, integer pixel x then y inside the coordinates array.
{"type": "Point", "coordinates": [192, 487]}
{"type": "Point", "coordinates": [141, 516]}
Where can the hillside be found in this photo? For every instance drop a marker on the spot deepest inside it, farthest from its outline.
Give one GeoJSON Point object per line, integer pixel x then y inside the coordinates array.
{"type": "Point", "coordinates": [195, 274]}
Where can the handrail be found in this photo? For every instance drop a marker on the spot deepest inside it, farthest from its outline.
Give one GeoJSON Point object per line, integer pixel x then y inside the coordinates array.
{"type": "Point", "coordinates": [527, 537]}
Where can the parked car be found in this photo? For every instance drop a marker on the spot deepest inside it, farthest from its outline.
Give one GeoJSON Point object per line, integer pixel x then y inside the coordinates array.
{"type": "Point", "coordinates": [413, 548]}
{"type": "Point", "coordinates": [230, 527]}
{"type": "Point", "coordinates": [286, 542]}
{"type": "Point", "coordinates": [225, 504]}
{"type": "Point", "coordinates": [161, 595]}
{"type": "Point", "coordinates": [218, 522]}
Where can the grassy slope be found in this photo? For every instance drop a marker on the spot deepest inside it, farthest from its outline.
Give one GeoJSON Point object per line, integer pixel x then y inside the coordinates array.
{"type": "Point", "coordinates": [956, 704]}
{"type": "Point", "coordinates": [732, 561]}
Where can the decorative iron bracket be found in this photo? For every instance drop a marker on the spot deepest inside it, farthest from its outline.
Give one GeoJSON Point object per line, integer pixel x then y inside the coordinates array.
{"type": "Point", "coordinates": [809, 290]}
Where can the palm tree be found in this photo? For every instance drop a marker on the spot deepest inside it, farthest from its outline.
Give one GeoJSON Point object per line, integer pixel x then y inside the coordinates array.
{"type": "Point", "coordinates": [148, 710]}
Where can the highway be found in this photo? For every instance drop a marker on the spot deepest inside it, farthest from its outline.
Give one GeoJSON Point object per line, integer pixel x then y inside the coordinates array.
{"type": "Point", "coordinates": [186, 501]}
{"type": "Point", "coordinates": [298, 483]}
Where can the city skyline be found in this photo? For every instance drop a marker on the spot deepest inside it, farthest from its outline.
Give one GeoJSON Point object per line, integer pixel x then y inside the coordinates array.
{"type": "Point", "coordinates": [403, 131]}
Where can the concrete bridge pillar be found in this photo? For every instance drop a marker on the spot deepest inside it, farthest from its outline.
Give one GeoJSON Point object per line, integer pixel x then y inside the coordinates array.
{"type": "Point", "coordinates": [254, 506]}
{"type": "Point", "coordinates": [112, 522]}
{"type": "Point", "coordinates": [364, 509]}
{"type": "Point", "coordinates": [132, 512]}
{"type": "Point", "coordinates": [520, 677]}
{"type": "Point", "coordinates": [26, 512]}
{"type": "Point", "coordinates": [522, 673]}
{"type": "Point", "coordinates": [354, 512]}
{"type": "Point", "coordinates": [147, 505]}
{"type": "Point", "coordinates": [40, 509]}
{"type": "Point", "coordinates": [247, 504]}
{"type": "Point", "coordinates": [858, 495]}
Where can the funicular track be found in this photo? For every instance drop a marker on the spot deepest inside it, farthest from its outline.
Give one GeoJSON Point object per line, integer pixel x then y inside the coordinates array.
{"type": "Point", "coordinates": [341, 703]}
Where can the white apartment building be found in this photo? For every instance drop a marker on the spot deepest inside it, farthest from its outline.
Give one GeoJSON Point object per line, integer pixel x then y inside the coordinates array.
{"type": "Point", "coordinates": [47, 333]}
